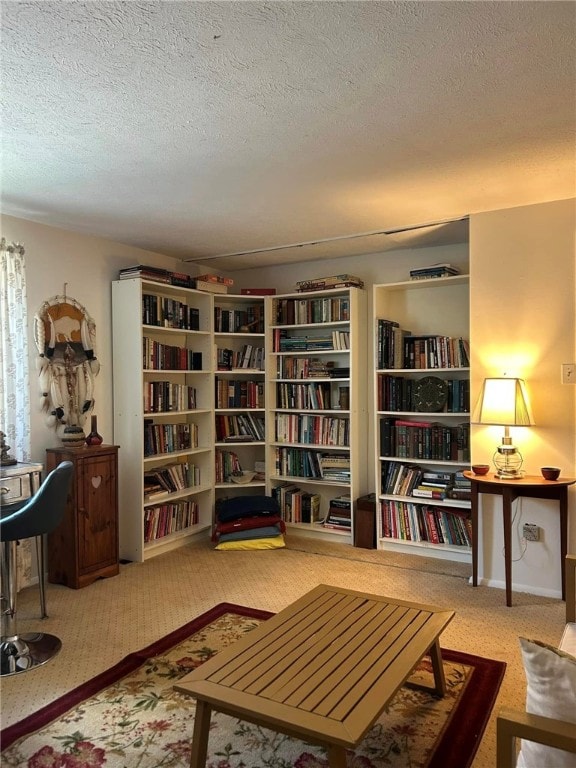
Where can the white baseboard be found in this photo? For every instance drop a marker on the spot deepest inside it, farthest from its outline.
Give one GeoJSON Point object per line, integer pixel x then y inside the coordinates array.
{"type": "Point", "coordinates": [529, 588]}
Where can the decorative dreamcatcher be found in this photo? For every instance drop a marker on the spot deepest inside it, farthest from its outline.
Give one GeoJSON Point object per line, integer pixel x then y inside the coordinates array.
{"type": "Point", "coordinates": [65, 334]}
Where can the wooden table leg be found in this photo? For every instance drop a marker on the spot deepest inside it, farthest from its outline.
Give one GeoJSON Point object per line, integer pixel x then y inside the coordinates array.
{"type": "Point", "coordinates": [563, 500]}
{"type": "Point", "coordinates": [474, 519]}
{"type": "Point", "coordinates": [507, 520]}
{"type": "Point", "coordinates": [200, 735]}
{"type": "Point", "coordinates": [439, 679]}
{"type": "Point", "coordinates": [336, 756]}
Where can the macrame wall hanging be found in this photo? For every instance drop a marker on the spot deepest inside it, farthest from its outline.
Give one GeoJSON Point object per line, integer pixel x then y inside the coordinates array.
{"type": "Point", "coordinates": [65, 337]}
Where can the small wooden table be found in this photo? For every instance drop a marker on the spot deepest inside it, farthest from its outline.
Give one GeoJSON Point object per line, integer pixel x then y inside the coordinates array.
{"type": "Point", "coordinates": [322, 670]}
{"type": "Point", "coordinates": [532, 486]}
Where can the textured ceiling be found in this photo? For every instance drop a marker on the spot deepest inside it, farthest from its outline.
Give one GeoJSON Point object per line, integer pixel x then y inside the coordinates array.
{"type": "Point", "coordinates": [198, 129]}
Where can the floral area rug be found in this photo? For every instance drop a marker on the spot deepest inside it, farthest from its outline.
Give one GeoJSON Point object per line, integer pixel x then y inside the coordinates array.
{"type": "Point", "coordinates": [130, 716]}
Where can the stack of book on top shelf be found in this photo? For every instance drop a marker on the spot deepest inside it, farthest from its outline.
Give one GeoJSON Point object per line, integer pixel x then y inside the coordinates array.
{"type": "Point", "coordinates": [157, 274]}
{"type": "Point", "coordinates": [248, 522]}
{"type": "Point", "coordinates": [332, 281]}
{"type": "Point", "coordinates": [339, 514]}
{"type": "Point", "coordinates": [435, 270]}
{"type": "Point", "coordinates": [212, 283]}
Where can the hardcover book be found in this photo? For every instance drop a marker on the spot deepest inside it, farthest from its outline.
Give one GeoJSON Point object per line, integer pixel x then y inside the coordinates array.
{"type": "Point", "coordinates": [257, 291]}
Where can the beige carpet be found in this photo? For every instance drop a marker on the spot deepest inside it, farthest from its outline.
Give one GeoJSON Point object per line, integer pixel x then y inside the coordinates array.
{"type": "Point", "coordinates": [103, 622]}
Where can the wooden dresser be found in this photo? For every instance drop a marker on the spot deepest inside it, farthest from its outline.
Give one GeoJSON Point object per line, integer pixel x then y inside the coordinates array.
{"type": "Point", "coordinates": [84, 547]}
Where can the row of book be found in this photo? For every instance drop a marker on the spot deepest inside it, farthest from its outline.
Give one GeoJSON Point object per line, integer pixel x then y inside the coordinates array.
{"type": "Point", "coordinates": [312, 430]}
{"type": "Point", "coordinates": [339, 516]}
{"type": "Point", "coordinates": [308, 311]}
{"type": "Point", "coordinates": [424, 440]}
{"type": "Point", "coordinates": [435, 270]}
{"type": "Point", "coordinates": [240, 427]}
{"type": "Point", "coordinates": [234, 320]}
{"type": "Point", "coordinates": [169, 313]}
{"type": "Point", "coordinates": [162, 396]}
{"type": "Point", "coordinates": [227, 463]}
{"type": "Point", "coordinates": [304, 368]}
{"type": "Point", "coordinates": [167, 438]}
{"type": "Point", "coordinates": [399, 348]}
{"type": "Point", "coordinates": [302, 462]}
{"type": "Point", "coordinates": [164, 357]}
{"type": "Point", "coordinates": [306, 397]}
{"type": "Point", "coordinates": [436, 352]}
{"type": "Point", "coordinates": [422, 522]}
{"type": "Point", "coordinates": [396, 393]}
{"type": "Point", "coordinates": [296, 505]}
{"type": "Point", "coordinates": [333, 340]}
{"type": "Point", "coordinates": [329, 282]}
{"type": "Point", "coordinates": [239, 393]}
{"type": "Point", "coordinates": [170, 478]}
{"type": "Point", "coordinates": [400, 479]}
{"type": "Point", "coordinates": [249, 357]}
{"type": "Point", "coordinates": [163, 519]}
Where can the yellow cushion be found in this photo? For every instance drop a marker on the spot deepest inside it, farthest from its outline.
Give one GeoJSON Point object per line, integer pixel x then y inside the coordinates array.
{"type": "Point", "coordinates": [273, 542]}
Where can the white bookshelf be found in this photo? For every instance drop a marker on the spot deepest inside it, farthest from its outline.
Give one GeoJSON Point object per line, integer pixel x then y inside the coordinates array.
{"type": "Point", "coordinates": [151, 397]}
{"type": "Point", "coordinates": [310, 336]}
{"type": "Point", "coordinates": [240, 391]}
{"type": "Point", "coordinates": [432, 308]}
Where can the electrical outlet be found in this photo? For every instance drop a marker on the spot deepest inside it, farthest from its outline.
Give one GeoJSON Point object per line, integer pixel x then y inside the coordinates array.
{"type": "Point", "coordinates": [568, 373]}
{"type": "Point", "coordinates": [531, 532]}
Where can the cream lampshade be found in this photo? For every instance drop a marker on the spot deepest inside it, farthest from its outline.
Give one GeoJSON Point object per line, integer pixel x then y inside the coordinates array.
{"type": "Point", "coordinates": [504, 402]}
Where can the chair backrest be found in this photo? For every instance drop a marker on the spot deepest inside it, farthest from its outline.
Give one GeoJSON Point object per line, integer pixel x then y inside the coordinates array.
{"type": "Point", "coordinates": [44, 511]}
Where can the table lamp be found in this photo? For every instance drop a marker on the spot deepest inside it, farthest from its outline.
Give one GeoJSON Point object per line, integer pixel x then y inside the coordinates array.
{"type": "Point", "coordinates": [504, 402]}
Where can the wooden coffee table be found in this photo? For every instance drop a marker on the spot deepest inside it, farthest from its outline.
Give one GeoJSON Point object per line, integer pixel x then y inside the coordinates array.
{"type": "Point", "coordinates": [322, 670]}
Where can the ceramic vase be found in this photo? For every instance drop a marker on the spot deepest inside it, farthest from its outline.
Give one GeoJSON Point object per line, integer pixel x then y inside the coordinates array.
{"type": "Point", "coordinates": [94, 438]}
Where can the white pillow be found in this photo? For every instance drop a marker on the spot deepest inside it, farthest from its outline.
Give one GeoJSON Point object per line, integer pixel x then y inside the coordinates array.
{"type": "Point", "coordinates": [551, 692]}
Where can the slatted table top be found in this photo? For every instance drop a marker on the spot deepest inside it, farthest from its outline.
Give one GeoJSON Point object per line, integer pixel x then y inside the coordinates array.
{"type": "Point", "coordinates": [324, 668]}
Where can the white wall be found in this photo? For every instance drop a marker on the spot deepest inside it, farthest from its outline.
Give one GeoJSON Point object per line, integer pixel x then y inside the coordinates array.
{"type": "Point", "coordinates": [523, 321]}
{"type": "Point", "coordinates": [373, 268]}
{"type": "Point", "coordinates": [88, 265]}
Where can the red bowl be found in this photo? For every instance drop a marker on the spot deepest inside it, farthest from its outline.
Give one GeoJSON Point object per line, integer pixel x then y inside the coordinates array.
{"type": "Point", "coordinates": [550, 473]}
{"type": "Point", "coordinates": [480, 469]}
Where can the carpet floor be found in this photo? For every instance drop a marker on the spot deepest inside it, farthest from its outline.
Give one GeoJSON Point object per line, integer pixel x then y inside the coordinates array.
{"type": "Point", "coordinates": [101, 624]}
{"type": "Point", "coordinates": [131, 717]}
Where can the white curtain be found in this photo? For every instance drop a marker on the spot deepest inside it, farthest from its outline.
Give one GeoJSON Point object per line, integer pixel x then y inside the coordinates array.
{"type": "Point", "coordinates": [14, 378]}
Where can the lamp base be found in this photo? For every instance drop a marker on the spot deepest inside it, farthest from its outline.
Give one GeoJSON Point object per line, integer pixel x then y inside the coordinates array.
{"type": "Point", "coordinates": [508, 461]}
{"type": "Point", "coordinates": [504, 474]}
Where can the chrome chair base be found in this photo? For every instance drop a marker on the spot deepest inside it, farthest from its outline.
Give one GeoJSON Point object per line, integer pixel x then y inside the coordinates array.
{"type": "Point", "coordinates": [24, 652]}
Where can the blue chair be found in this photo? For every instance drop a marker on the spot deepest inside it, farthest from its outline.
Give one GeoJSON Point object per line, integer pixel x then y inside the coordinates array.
{"type": "Point", "coordinates": [37, 516]}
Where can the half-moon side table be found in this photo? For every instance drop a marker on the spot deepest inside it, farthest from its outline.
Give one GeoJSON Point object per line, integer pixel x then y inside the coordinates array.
{"type": "Point", "coordinates": [532, 486]}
